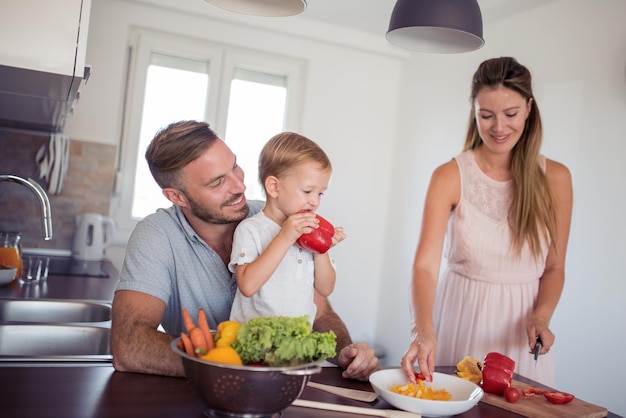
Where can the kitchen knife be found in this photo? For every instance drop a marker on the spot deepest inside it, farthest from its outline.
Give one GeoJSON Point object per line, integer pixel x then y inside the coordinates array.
{"type": "Point", "coordinates": [538, 345]}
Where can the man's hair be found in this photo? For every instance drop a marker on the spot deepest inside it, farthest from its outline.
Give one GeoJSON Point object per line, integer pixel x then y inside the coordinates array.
{"type": "Point", "coordinates": [175, 146]}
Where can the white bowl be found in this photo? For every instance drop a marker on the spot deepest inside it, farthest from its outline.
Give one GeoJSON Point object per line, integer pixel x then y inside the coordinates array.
{"type": "Point", "coordinates": [465, 394]}
{"type": "Point", "coordinates": [7, 274]}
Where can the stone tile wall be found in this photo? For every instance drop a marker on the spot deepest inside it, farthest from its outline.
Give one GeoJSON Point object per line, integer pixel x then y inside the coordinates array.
{"type": "Point", "coordinates": [87, 188]}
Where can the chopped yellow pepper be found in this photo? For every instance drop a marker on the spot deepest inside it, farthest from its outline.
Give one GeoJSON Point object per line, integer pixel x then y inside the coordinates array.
{"type": "Point", "coordinates": [421, 391]}
{"type": "Point", "coordinates": [470, 369]}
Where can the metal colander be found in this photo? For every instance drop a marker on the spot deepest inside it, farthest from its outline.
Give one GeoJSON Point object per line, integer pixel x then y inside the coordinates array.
{"type": "Point", "coordinates": [245, 391]}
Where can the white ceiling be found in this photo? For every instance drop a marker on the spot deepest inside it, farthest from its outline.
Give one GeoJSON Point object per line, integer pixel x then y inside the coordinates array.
{"type": "Point", "coordinates": [373, 15]}
{"type": "Point", "coordinates": [366, 15]}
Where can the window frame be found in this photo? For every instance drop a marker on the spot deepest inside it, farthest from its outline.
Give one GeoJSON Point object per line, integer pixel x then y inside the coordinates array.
{"type": "Point", "coordinates": [223, 60]}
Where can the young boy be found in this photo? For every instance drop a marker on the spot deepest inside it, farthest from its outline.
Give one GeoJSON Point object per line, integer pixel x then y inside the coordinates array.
{"type": "Point", "coordinates": [275, 277]}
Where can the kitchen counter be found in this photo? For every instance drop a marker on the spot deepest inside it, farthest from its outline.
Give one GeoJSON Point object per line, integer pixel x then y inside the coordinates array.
{"type": "Point", "coordinates": [96, 390]}
{"type": "Point", "coordinates": [100, 392]}
{"type": "Point", "coordinates": [68, 287]}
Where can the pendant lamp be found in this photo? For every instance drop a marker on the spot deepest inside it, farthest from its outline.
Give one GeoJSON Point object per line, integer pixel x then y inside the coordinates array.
{"type": "Point", "coordinates": [437, 26]}
{"type": "Point", "coordinates": [266, 8]}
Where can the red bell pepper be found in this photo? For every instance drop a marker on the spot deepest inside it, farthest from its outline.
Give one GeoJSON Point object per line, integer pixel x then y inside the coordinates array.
{"type": "Point", "coordinates": [497, 373]}
{"type": "Point", "coordinates": [557, 397]}
{"type": "Point", "coordinates": [320, 239]}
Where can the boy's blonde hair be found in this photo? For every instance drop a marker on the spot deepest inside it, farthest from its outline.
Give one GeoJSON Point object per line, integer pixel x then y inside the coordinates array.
{"type": "Point", "coordinates": [286, 150]}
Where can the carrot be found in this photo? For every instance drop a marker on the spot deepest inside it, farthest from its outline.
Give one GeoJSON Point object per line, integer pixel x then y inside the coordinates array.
{"type": "Point", "coordinates": [189, 325]}
{"type": "Point", "coordinates": [197, 339]}
{"type": "Point", "coordinates": [187, 344]}
{"type": "Point", "coordinates": [180, 345]}
{"type": "Point", "coordinates": [203, 324]}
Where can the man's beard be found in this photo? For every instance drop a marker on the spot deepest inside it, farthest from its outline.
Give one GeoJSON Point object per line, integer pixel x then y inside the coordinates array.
{"type": "Point", "coordinates": [217, 216]}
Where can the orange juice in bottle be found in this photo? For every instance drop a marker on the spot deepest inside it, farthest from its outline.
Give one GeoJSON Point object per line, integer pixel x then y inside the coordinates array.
{"type": "Point", "coordinates": [10, 251]}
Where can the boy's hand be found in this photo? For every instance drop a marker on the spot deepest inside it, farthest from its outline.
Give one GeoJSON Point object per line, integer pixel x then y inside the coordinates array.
{"type": "Point", "coordinates": [298, 224]}
{"type": "Point", "coordinates": [320, 239]}
{"type": "Point", "coordinates": [339, 236]}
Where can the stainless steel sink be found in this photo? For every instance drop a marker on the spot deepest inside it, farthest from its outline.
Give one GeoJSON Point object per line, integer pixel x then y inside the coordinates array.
{"type": "Point", "coordinates": [54, 342]}
{"type": "Point", "coordinates": [54, 330]}
{"type": "Point", "coordinates": [53, 311]}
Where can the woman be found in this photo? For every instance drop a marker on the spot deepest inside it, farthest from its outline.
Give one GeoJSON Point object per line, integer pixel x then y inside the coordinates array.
{"type": "Point", "coordinates": [506, 210]}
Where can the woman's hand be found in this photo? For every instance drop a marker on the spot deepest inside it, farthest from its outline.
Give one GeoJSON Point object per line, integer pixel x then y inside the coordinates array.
{"type": "Point", "coordinates": [541, 330]}
{"type": "Point", "coordinates": [421, 349]}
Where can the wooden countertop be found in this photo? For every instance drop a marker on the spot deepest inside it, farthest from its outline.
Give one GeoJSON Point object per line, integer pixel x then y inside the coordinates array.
{"type": "Point", "coordinates": [80, 390]}
{"type": "Point", "coordinates": [100, 392]}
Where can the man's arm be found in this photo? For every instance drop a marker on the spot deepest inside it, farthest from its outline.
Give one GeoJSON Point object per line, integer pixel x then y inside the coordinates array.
{"type": "Point", "coordinates": [357, 359]}
{"type": "Point", "coordinates": [136, 344]}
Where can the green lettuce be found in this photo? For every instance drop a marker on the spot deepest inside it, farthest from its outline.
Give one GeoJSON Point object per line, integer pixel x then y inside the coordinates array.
{"type": "Point", "coordinates": [283, 341]}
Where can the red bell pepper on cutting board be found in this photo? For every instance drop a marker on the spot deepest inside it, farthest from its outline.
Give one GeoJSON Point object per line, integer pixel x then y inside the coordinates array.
{"type": "Point", "coordinates": [497, 373]}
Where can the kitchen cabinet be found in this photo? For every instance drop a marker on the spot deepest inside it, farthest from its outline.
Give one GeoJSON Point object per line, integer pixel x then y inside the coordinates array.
{"type": "Point", "coordinates": [42, 61]}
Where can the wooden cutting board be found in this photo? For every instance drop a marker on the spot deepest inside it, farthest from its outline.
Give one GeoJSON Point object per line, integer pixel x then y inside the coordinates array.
{"type": "Point", "coordinates": [539, 407]}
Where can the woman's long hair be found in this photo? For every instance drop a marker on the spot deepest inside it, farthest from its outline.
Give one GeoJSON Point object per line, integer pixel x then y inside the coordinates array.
{"type": "Point", "coordinates": [532, 213]}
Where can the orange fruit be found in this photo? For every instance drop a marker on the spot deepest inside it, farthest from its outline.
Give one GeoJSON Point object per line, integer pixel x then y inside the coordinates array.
{"type": "Point", "coordinates": [225, 354]}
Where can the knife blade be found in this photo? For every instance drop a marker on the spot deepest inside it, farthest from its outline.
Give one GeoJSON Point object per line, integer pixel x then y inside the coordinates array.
{"type": "Point", "coordinates": [538, 346]}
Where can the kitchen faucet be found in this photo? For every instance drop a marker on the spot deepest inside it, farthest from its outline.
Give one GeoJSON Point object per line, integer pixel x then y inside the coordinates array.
{"type": "Point", "coordinates": [46, 213]}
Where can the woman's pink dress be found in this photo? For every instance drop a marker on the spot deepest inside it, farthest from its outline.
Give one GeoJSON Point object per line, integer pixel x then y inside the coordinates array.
{"type": "Point", "coordinates": [487, 294]}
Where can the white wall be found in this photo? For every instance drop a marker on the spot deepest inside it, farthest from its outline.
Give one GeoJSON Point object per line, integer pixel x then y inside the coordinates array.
{"type": "Point", "coordinates": [579, 73]}
{"type": "Point", "coordinates": [350, 109]}
{"type": "Point", "coordinates": [387, 123]}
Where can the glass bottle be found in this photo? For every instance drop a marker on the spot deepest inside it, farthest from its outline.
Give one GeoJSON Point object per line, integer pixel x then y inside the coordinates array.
{"type": "Point", "coordinates": [10, 251]}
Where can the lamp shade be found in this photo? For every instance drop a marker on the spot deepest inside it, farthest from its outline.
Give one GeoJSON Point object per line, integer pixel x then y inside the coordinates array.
{"type": "Point", "coordinates": [438, 26]}
{"type": "Point", "coordinates": [267, 8]}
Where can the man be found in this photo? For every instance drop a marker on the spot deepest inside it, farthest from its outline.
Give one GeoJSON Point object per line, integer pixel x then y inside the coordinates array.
{"type": "Point", "coordinates": [178, 257]}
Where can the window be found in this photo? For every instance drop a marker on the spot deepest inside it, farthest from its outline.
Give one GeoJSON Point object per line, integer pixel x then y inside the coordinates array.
{"type": "Point", "coordinates": [256, 110]}
{"type": "Point", "coordinates": [246, 97]}
{"type": "Point", "coordinates": [169, 80]}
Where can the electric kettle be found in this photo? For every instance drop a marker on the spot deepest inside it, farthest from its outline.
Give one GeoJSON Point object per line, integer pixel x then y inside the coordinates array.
{"type": "Point", "coordinates": [93, 234]}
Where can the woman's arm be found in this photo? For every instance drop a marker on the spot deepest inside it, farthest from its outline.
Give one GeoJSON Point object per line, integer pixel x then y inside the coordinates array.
{"type": "Point", "coordinates": [441, 198]}
{"type": "Point", "coordinates": [553, 279]}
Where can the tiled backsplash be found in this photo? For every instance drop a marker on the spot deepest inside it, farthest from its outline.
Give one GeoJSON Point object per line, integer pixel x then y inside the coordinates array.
{"type": "Point", "coordinates": [87, 187]}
